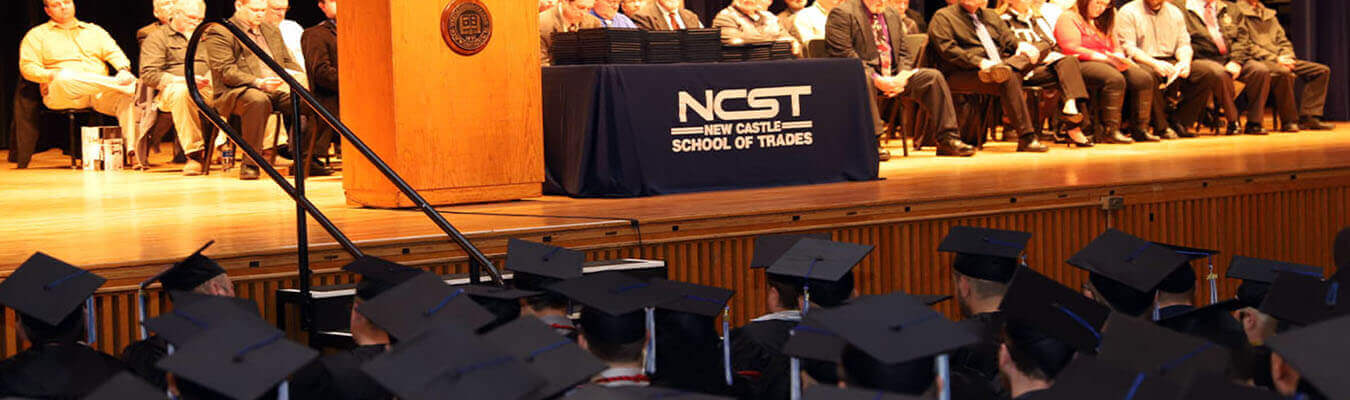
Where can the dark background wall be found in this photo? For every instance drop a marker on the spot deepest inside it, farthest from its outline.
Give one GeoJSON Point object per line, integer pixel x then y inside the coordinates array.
{"type": "Point", "coordinates": [1316, 27]}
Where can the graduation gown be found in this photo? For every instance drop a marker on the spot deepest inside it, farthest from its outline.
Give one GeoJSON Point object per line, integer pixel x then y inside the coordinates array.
{"type": "Point", "coordinates": [141, 356]}
{"type": "Point", "coordinates": [1032, 395]}
{"type": "Point", "coordinates": [757, 353]}
{"type": "Point", "coordinates": [339, 376]}
{"type": "Point", "coordinates": [56, 371]}
{"type": "Point", "coordinates": [980, 360]}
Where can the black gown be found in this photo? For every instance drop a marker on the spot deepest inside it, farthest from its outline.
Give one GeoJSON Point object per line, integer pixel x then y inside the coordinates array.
{"type": "Point", "coordinates": [980, 360]}
{"type": "Point", "coordinates": [757, 353]}
{"type": "Point", "coordinates": [339, 376]}
{"type": "Point", "coordinates": [56, 371]}
{"type": "Point", "coordinates": [1032, 395]}
{"type": "Point", "coordinates": [141, 357]}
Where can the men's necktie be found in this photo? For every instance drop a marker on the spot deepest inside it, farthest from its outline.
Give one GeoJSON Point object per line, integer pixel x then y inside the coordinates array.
{"type": "Point", "coordinates": [1212, 21]}
{"type": "Point", "coordinates": [674, 22]}
{"type": "Point", "coordinates": [990, 50]}
{"type": "Point", "coordinates": [883, 43]}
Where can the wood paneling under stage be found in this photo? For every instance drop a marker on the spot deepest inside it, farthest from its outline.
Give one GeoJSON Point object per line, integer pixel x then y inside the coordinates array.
{"type": "Point", "coordinates": [1283, 196]}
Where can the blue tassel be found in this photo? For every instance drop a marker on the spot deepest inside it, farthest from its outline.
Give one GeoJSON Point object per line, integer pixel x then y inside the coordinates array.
{"type": "Point", "coordinates": [651, 341]}
{"type": "Point", "coordinates": [284, 390]}
{"type": "Point", "coordinates": [90, 322]}
{"type": "Point", "coordinates": [943, 366]}
{"type": "Point", "coordinates": [1333, 292]}
{"type": "Point", "coordinates": [1134, 388]}
{"type": "Point", "coordinates": [795, 367]}
{"type": "Point", "coordinates": [726, 344]}
{"type": "Point", "coordinates": [140, 311]}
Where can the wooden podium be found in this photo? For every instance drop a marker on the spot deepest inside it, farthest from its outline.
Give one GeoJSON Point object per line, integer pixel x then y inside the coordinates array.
{"type": "Point", "coordinates": [458, 128]}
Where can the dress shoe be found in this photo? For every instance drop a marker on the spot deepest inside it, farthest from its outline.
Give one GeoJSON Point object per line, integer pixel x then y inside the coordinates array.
{"type": "Point", "coordinates": [1141, 136]}
{"type": "Point", "coordinates": [1114, 136]}
{"type": "Point", "coordinates": [996, 74]}
{"type": "Point", "coordinates": [1255, 129]}
{"type": "Point", "coordinates": [1078, 140]}
{"type": "Point", "coordinates": [1289, 127]}
{"type": "Point", "coordinates": [1028, 143]}
{"type": "Point", "coordinates": [249, 173]}
{"type": "Point", "coordinates": [316, 168]}
{"type": "Point", "coordinates": [1315, 124]}
{"type": "Point", "coordinates": [1232, 129]}
{"type": "Point", "coordinates": [192, 168]}
{"type": "Point", "coordinates": [1179, 131]}
{"type": "Point", "coordinates": [884, 155]}
{"type": "Point", "coordinates": [953, 147]}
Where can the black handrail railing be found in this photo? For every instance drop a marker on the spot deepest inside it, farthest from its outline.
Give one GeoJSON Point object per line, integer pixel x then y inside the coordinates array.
{"type": "Point", "coordinates": [476, 258]}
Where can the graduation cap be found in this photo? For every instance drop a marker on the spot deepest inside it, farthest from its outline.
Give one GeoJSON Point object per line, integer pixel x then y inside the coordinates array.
{"type": "Point", "coordinates": [983, 253]}
{"type": "Point", "coordinates": [239, 360]}
{"type": "Point", "coordinates": [708, 301]}
{"type": "Point", "coordinates": [1318, 352]}
{"type": "Point", "coordinates": [1054, 310]}
{"type": "Point", "coordinates": [124, 385]}
{"type": "Point", "coordinates": [49, 290]}
{"type": "Point", "coordinates": [1257, 275]}
{"type": "Point", "coordinates": [811, 339]}
{"type": "Point", "coordinates": [182, 276]}
{"type": "Point", "coordinates": [768, 248]}
{"type": "Point", "coordinates": [597, 392]}
{"type": "Point", "coordinates": [1143, 346]}
{"type": "Point", "coordinates": [448, 358]}
{"type": "Point", "coordinates": [378, 275]}
{"type": "Point", "coordinates": [825, 392]}
{"type": "Point", "coordinates": [1305, 300]}
{"type": "Point", "coordinates": [818, 261]}
{"type": "Point", "coordinates": [1087, 377]}
{"type": "Point", "coordinates": [1213, 322]}
{"type": "Point", "coordinates": [1126, 269]}
{"type": "Point", "coordinates": [1183, 278]}
{"type": "Point", "coordinates": [502, 302]}
{"type": "Point", "coordinates": [419, 303]}
{"type": "Point", "coordinates": [196, 313]}
{"type": "Point", "coordinates": [556, 359]}
{"type": "Point", "coordinates": [612, 303]}
{"type": "Point", "coordinates": [540, 264]}
{"type": "Point", "coordinates": [895, 328]}
{"type": "Point", "coordinates": [1218, 387]}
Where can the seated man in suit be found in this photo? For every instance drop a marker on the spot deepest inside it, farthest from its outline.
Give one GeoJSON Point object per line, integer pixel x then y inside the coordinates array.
{"type": "Point", "coordinates": [1153, 33]}
{"type": "Point", "coordinates": [244, 87]}
{"type": "Point", "coordinates": [1260, 38]}
{"type": "Point", "coordinates": [977, 50]}
{"type": "Point", "coordinates": [69, 58]}
{"type": "Point", "coordinates": [163, 55]}
{"type": "Point", "coordinates": [567, 16]}
{"type": "Point", "coordinates": [666, 15]}
{"type": "Point", "coordinates": [744, 21]}
{"type": "Point", "coordinates": [1213, 30]}
{"type": "Point", "coordinates": [631, 7]}
{"type": "Point", "coordinates": [913, 21]}
{"type": "Point", "coordinates": [866, 30]}
{"type": "Point", "coordinates": [163, 11]}
{"type": "Point", "coordinates": [321, 64]}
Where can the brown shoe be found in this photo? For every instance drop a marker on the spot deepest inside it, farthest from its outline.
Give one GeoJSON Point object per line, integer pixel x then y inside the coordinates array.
{"type": "Point", "coordinates": [997, 74]}
{"type": "Point", "coordinates": [192, 168]}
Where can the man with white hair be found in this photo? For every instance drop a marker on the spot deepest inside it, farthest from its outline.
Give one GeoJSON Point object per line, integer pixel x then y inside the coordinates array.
{"type": "Point", "coordinates": [163, 57]}
{"type": "Point", "coordinates": [163, 11]}
{"type": "Point", "coordinates": [291, 31]}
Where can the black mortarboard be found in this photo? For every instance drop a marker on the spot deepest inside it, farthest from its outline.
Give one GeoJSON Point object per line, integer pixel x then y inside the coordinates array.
{"type": "Point", "coordinates": [502, 302]}
{"type": "Point", "coordinates": [825, 392]}
{"type": "Point", "coordinates": [193, 314]}
{"type": "Point", "coordinates": [695, 299]}
{"type": "Point", "coordinates": [1318, 352]}
{"type": "Point", "coordinates": [378, 275]}
{"type": "Point", "coordinates": [1304, 300]}
{"type": "Point", "coordinates": [449, 359]}
{"type": "Point", "coordinates": [1121, 257]}
{"type": "Point", "coordinates": [1257, 275]}
{"type": "Point", "coordinates": [1143, 346]}
{"type": "Point", "coordinates": [983, 253]}
{"type": "Point", "coordinates": [768, 248]}
{"type": "Point", "coordinates": [1090, 378]}
{"type": "Point", "coordinates": [556, 359]}
{"type": "Point", "coordinates": [895, 328]}
{"type": "Point", "coordinates": [612, 292]}
{"type": "Point", "coordinates": [189, 273]}
{"type": "Point", "coordinates": [812, 340]}
{"type": "Point", "coordinates": [1218, 387]}
{"type": "Point", "coordinates": [1055, 310]}
{"type": "Point", "coordinates": [597, 392]}
{"type": "Point", "coordinates": [819, 259]}
{"type": "Point", "coordinates": [543, 260]}
{"type": "Point", "coordinates": [419, 303]}
{"type": "Point", "coordinates": [1213, 322]}
{"type": "Point", "coordinates": [122, 386]}
{"type": "Point", "coordinates": [239, 360]}
{"type": "Point", "coordinates": [1183, 278]}
{"type": "Point", "coordinates": [494, 292]}
{"type": "Point", "coordinates": [48, 289]}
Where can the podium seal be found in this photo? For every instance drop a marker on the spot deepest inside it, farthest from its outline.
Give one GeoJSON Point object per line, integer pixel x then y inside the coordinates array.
{"type": "Point", "coordinates": [466, 26]}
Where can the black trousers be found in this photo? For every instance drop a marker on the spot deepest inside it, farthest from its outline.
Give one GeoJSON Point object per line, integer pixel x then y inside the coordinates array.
{"type": "Point", "coordinates": [1196, 90]}
{"type": "Point", "coordinates": [1067, 72]}
{"type": "Point", "coordinates": [928, 88]}
{"type": "Point", "coordinates": [1117, 89]}
{"type": "Point", "coordinates": [253, 107]}
{"type": "Point", "coordinates": [1010, 91]}
{"type": "Point", "coordinates": [1313, 100]}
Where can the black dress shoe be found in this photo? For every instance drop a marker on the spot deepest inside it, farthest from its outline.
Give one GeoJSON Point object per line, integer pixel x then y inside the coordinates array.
{"type": "Point", "coordinates": [954, 148]}
{"type": "Point", "coordinates": [1289, 127]}
{"type": "Point", "coordinates": [1179, 131]}
{"type": "Point", "coordinates": [315, 169]}
{"type": "Point", "coordinates": [1141, 136]}
{"type": "Point", "coordinates": [1114, 137]}
{"type": "Point", "coordinates": [884, 155]}
{"type": "Point", "coordinates": [1315, 123]}
{"type": "Point", "coordinates": [1255, 129]}
{"type": "Point", "coordinates": [1232, 129]}
{"type": "Point", "coordinates": [249, 173]}
{"type": "Point", "coordinates": [1028, 143]}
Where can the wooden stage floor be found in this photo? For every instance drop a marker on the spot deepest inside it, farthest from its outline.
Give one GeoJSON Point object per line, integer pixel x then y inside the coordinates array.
{"type": "Point", "coordinates": [111, 220]}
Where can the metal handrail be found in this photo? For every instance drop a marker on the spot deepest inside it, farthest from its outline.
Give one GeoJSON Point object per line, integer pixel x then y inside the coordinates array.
{"type": "Point", "coordinates": [476, 258]}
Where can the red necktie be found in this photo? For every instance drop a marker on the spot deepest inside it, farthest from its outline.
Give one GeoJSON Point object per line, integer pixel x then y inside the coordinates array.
{"type": "Point", "coordinates": [674, 23]}
{"type": "Point", "coordinates": [1212, 20]}
{"type": "Point", "coordinates": [883, 43]}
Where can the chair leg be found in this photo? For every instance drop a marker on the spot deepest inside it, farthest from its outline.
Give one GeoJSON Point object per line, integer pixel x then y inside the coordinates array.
{"type": "Point", "coordinates": [75, 144]}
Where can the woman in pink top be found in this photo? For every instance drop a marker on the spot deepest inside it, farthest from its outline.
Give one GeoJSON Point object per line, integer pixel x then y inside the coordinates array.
{"type": "Point", "coordinates": [1104, 66]}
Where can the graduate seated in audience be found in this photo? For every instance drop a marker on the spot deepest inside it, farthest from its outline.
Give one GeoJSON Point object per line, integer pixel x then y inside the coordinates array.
{"type": "Point", "coordinates": [1047, 325]}
{"type": "Point", "coordinates": [196, 274]}
{"type": "Point", "coordinates": [1086, 31]}
{"type": "Point", "coordinates": [1153, 33]}
{"type": "Point", "coordinates": [1260, 38]}
{"type": "Point", "coordinates": [1027, 23]}
{"type": "Point", "coordinates": [978, 53]}
{"type": "Point", "coordinates": [1176, 292]}
{"type": "Point", "coordinates": [50, 298]}
{"type": "Point", "coordinates": [568, 16]}
{"type": "Point", "coordinates": [534, 267]}
{"type": "Point", "coordinates": [163, 10]}
{"type": "Point", "coordinates": [163, 54]}
{"type": "Point", "coordinates": [1257, 276]}
{"type": "Point", "coordinates": [614, 325]}
{"type": "Point", "coordinates": [665, 15]}
{"type": "Point", "coordinates": [69, 59]}
{"type": "Point", "coordinates": [1309, 347]}
{"type": "Point", "coordinates": [984, 264]}
{"type": "Point", "coordinates": [689, 347]}
{"type": "Point", "coordinates": [1124, 271]}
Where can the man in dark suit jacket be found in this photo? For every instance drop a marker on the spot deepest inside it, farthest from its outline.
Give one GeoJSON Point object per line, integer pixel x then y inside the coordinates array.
{"type": "Point", "coordinates": [163, 10]}
{"type": "Point", "coordinates": [319, 44]}
{"type": "Point", "coordinates": [1200, 14]}
{"type": "Point", "coordinates": [851, 31]}
{"type": "Point", "coordinates": [978, 53]}
{"type": "Point", "coordinates": [243, 85]}
{"type": "Point", "coordinates": [659, 15]}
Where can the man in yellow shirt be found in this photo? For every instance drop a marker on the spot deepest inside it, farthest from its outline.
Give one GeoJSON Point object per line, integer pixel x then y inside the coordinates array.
{"type": "Point", "coordinates": [69, 58]}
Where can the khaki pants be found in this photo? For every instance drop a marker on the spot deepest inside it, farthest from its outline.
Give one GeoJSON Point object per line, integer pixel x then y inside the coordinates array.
{"type": "Point", "coordinates": [176, 100]}
{"type": "Point", "coordinates": [75, 90]}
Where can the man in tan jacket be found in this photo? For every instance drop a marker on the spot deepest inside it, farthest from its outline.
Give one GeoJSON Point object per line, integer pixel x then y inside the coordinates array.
{"type": "Point", "coordinates": [568, 16]}
{"type": "Point", "coordinates": [1261, 38]}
